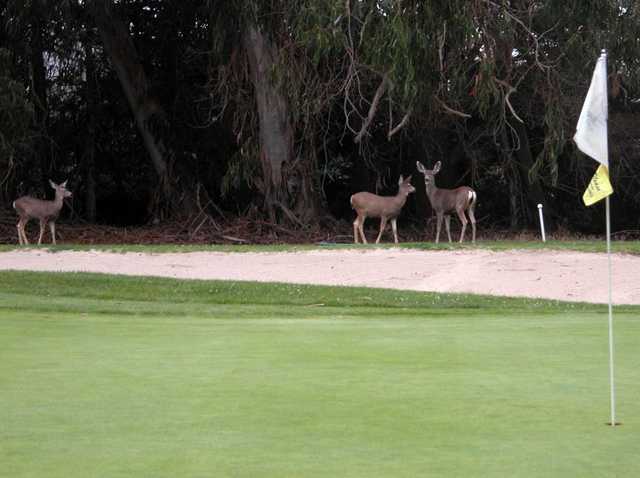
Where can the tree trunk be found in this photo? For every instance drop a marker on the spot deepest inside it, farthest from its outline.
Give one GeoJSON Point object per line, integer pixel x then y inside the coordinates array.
{"type": "Point", "coordinates": [276, 134]}
{"type": "Point", "coordinates": [91, 92]}
{"type": "Point", "coordinates": [307, 200]}
{"type": "Point", "coordinates": [525, 195]}
{"type": "Point", "coordinates": [39, 85]}
{"type": "Point", "coordinates": [513, 180]}
{"type": "Point", "coordinates": [512, 173]}
{"type": "Point", "coordinates": [149, 116]}
{"type": "Point", "coordinates": [535, 193]}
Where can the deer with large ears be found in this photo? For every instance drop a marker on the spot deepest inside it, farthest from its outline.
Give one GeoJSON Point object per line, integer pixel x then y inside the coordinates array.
{"type": "Point", "coordinates": [447, 201]}
{"type": "Point", "coordinates": [29, 207]}
{"type": "Point", "coordinates": [385, 207]}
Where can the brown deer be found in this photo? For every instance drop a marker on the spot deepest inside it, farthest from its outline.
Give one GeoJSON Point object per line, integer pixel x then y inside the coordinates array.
{"type": "Point", "coordinates": [385, 207]}
{"type": "Point", "coordinates": [446, 201]}
{"type": "Point", "coordinates": [29, 208]}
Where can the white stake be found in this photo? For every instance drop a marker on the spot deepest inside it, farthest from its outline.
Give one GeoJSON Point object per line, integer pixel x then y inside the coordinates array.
{"type": "Point", "coordinates": [544, 239]}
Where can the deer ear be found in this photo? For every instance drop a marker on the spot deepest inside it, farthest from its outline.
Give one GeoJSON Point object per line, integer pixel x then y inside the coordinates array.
{"type": "Point", "coordinates": [52, 184]}
{"type": "Point", "coordinates": [64, 184]}
{"type": "Point", "coordinates": [408, 179]}
{"type": "Point", "coordinates": [401, 180]}
{"type": "Point", "coordinates": [436, 168]}
{"type": "Point", "coordinates": [420, 166]}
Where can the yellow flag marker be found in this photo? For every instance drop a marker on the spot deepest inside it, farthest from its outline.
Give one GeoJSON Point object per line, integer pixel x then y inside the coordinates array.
{"type": "Point", "coordinates": [599, 187]}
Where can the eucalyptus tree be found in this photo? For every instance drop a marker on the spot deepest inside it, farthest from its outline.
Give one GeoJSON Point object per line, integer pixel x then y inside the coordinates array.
{"type": "Point", "coordinates": [286, 107]}
{"type": "Point", "coordinates": [153, 49]}
{"type": "Point", "coordinates": [43, 61]}
{"type": "Point", "coordinates": [24, 30]}
{"type": "Point", "coordinates": [300, 79]}
{"type": "Point", "coordinates": [491, 86]}
{"type": "Point", "coordinates": [537, 62]}
{"type": "Point", "coordinates": [253, 72]}
{"type": "Point", "coordinates": [17, 130]}
{"type": "Point", "coordinates": [149, 115]}
{"type": "Point", "coordinates": [306, 79]}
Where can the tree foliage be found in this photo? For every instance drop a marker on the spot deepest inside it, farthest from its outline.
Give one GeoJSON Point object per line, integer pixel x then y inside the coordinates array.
{"type": "Point", "coordinates": [282, 109]}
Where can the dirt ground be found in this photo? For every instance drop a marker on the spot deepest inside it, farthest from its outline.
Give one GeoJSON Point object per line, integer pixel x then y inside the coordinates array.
{"type": "Point", "coordinates": [568, 276]}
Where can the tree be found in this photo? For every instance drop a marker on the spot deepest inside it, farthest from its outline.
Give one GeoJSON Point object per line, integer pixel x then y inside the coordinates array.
{"type": "Point", "coordinates": [264, 120]}
{"type": "Point", "coordinates": [282, 109]}
{"type": "Point", "coordinates": [149, 115]}
{"type": "Point", "coordinates": [93, 113]}
{"type": "Point", "coordinates": [16, 126]}
{"type": "Point", "coordinates": [274, 123]}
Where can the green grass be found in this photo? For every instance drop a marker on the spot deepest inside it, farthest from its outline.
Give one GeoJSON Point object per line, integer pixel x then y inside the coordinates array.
{"type": "Point", "coordinates": [628, 247]}
{"type": "Point", "coordinates": [124, 376]}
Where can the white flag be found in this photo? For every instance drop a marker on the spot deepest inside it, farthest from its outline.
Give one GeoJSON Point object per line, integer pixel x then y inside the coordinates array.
{"type": "Point", "coordinates": [591, 132]}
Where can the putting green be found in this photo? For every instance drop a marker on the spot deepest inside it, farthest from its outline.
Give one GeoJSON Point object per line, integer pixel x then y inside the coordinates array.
{"type": "Point", "coordinates": [111, 376]}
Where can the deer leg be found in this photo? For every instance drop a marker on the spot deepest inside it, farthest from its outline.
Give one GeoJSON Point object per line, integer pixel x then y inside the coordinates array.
{"type": "Point", "coordinates": [361, 229]}
{"type": "Point", "coordinates": [24, 231]}
{"type": "Point", "coordinates": [383, 224]}
{"type": "Point", "coordinates": [355, 230]}
{"type": "Point", "coordinates": [21, 230]}
{"type": "Point", "coordinates": [19, 233]}
{"type": "Point", "coordinates": [447, 223]}
{"type": "Point", "coordinates": [463, 220]}
{"type": "Point", "coordinates": [42, 225]}
{"type": "Point", "coordinates": [472, 217]}
{"type": "Point", "coordinates": [394, 226]}
{"type": "Point", "coordinates": [52, 226]}
{"type": "Point", "coordinates": [438, 225]}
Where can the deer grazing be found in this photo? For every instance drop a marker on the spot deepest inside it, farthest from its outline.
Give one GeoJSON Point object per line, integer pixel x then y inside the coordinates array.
{"type": "Point", "coordinates": [385, 207]}
{"type": "Point", "coordinates": [29, 208]}
{"type": "Point", "coordinates": [446, 201]}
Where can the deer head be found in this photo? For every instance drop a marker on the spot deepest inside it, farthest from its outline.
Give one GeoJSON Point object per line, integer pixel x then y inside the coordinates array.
{"type": "Point", "coordinates": [61, 189]}
{"type": "Point", "coordinates": [429, 174]}
{"type": "Point", "coordinates": [405, 185]}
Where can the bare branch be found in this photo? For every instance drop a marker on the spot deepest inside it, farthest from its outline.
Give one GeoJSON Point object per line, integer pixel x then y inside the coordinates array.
{"type": "Point", "coordinates": [400, 125]}
{"type": "Point", "coordinates": [384, 84]}
{"type": "Point", "coordinates": [510, 89]}
{"type": "Point", "coordinates": [441, 41]}
{"type": "Point", "coordinates": [534, 37]}
{"type": "Point", "coordinates": [450, 110]}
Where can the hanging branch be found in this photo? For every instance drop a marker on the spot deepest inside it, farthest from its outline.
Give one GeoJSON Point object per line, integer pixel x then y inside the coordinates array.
{"type": "Point", "coordinates": [373, 108]}
{"type": "Point", "coordinates": [441, 42]}
{"type": "Point", "coordinates": [451, 110]}
{"type": "Point", "coordinates": [535, 38]}
{"type": "Point", "coordinates": [510, 89]}
{"type": "Point", "coordinates": [399, 126]}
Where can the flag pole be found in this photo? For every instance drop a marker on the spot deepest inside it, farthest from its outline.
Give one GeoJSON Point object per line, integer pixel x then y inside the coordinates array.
{"type": "Point", "coordinates": [611, 368]}
{"type": "Point", "coordinates": [592, 139]}
{"type": "Point", "coordinates": [608, 219]}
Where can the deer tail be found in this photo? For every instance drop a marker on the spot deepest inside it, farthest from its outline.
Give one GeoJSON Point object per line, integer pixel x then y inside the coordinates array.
{"type": "Point", "coordinates": [473, 196]}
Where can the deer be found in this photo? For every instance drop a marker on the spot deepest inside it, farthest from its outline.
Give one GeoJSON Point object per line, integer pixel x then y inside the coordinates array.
{"type": "Point", "coordinates": [446, 201]}
{"type": "Point", "coordinates": [29, 208]}
{"type": "Point", "coordinates": [385, 207]}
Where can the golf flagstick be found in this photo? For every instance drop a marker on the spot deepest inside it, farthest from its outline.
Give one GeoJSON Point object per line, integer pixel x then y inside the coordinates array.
{"type": "Point", "coordinates": [592, 139]}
